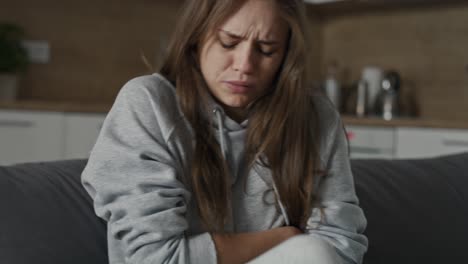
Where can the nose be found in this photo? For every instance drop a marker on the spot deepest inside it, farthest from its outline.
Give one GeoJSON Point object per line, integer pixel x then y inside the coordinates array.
{"type": "Point", "coordinates": [244, 60]}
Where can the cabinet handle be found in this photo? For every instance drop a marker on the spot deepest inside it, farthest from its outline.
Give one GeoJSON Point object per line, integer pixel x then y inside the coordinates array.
{"type": "Point", "coordinates": [455, 143]}
{"type": "Point", "coordinates": [15, 123]}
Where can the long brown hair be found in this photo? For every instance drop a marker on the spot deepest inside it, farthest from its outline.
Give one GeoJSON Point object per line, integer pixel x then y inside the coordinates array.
{"type": "Point", "coordinates": [282, 132]}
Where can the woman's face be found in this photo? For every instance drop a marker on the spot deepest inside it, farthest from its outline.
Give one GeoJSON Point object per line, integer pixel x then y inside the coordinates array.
{"type": "Point", "coordinates": [240, 60]}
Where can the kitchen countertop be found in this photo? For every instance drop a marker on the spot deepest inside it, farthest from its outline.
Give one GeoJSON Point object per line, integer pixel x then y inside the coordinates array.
{"type": "Point", "coordinates": [104, 107]}
{"type": "Point", "coordinates": [57, 106]}
{"type": "Point", "coordinates": [404, 122]}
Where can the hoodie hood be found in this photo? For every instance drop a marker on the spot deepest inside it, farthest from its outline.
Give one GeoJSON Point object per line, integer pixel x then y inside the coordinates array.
{"type": "Point", "coordinates": [228, 123]}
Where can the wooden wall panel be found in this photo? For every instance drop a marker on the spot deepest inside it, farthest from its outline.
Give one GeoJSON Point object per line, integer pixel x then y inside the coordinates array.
{"type": "Point", "coordinates": [315, 34]}
{"type": "Point", "coordinates": [428, 46]}
{"type": "Point", "coordinates": [95, 45]}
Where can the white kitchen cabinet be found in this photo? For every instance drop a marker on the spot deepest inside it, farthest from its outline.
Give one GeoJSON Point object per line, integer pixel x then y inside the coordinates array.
{"type": "Point", "coordinates": [81, 131]}
{"type": "Point", "coordinates": [30, 136]}
{"type": "Point", "coordinates": [430, 142]}
{"type": "Point", "coordinates": [371, 142]}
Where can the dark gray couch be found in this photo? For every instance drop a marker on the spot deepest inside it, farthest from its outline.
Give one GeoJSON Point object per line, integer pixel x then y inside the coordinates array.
{"type": "Point", "coordinates": [417, 212]}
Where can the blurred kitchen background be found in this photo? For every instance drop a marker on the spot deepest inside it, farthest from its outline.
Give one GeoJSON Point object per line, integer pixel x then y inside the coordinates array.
{"type": "Point", "coordinates": [396, 70]}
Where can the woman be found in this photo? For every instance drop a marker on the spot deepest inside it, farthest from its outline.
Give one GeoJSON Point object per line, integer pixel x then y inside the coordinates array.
{"type": "Point", "coordinates": [225, 156]}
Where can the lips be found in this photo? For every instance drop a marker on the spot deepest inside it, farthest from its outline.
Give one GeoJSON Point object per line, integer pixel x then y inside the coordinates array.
{"type": "Point", "coordinates": [238, 86]}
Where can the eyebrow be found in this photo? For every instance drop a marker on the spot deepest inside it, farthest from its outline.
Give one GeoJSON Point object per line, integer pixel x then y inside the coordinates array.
{"type": "Point", "coordinates": [265, 42]}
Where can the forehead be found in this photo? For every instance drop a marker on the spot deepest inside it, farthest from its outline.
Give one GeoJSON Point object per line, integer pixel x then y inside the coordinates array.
{"type": "Point", "coordinates": [258, 19]}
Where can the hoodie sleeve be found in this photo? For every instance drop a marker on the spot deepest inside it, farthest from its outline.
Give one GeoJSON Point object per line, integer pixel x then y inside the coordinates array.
{"type": "Point", "coordinates": [135, 185]}
{"type": "Point", "coordinates": [340, 221]}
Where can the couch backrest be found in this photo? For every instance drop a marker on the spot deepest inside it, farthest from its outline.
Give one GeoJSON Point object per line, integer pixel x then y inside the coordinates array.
{"type": "Point", "coordinates": [47, 216]}
{"type": "Point", "coordinates": [417, 212]}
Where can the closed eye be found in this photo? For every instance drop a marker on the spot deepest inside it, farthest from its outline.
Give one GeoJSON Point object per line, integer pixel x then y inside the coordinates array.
{"type": "Point", "coordinates": [266, 53]}
{"type": "Point", "coordinates": [266, 50]}
{"type": "Point", "coordinates": [227, 45]}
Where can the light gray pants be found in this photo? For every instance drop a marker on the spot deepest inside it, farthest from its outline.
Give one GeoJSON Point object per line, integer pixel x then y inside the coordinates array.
{"type": "Point", "coordinates": [299, 249]}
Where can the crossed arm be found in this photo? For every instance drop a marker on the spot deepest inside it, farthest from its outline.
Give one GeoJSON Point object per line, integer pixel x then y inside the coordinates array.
{"type": "Point", "coordinates": [243, 247]}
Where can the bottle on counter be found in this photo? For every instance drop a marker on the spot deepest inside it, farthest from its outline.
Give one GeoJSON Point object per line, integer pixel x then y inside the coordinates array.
{"type": "Point", "coordinates": [372, 75]}
{"type": "Point", "coordinates": [361, 98]}
{"type": "Point", "coordinates": [331, 85]}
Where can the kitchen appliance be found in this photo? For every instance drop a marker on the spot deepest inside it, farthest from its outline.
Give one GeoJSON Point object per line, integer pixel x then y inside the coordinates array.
{"type": "Point", "coordinates": [387, 102]}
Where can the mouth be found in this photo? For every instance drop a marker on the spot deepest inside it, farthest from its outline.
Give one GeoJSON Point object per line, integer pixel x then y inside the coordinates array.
{"type": "Point", "coordinates": [238, 86]}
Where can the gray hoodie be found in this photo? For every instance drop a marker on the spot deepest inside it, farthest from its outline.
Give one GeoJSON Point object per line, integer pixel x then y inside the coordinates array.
{"type": "Point", "coordinates": [137, 177]}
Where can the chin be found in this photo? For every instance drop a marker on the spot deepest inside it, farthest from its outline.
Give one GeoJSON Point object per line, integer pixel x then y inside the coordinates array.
{"type": "Point", "coordinates": [236, 104]}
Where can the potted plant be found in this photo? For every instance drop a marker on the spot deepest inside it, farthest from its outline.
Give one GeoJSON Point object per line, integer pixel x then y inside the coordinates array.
{"type": "Point", "coordinates": [13, 60]}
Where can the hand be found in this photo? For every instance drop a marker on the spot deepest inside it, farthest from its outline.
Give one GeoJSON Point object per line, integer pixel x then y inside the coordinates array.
{"type": "Point", "coordinates": [290, 231]}
{"type": "Point", "coordinates": [243, 247]}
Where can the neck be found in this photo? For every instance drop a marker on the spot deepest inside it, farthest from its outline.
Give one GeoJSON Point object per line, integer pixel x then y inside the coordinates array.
{"type": "Point", "coordinates": [236, 113]}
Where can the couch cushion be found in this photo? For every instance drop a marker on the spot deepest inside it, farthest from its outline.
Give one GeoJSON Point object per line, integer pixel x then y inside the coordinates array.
{"type": "Point", "coordinates": [417, 210]}
{"type": "Point", "coordinates": [47, 216]}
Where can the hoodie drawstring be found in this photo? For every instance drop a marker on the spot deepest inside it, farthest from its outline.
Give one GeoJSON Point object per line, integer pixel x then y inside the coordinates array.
{"type": "Point", "coordinates": [281, 206]}
{"type": "Point", "coordinates": [221, 131]}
